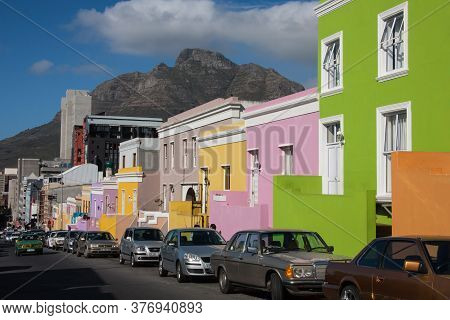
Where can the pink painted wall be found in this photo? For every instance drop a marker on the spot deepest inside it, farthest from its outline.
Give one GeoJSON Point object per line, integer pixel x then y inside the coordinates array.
{"type": "Point", "coordinates": [302, 133]}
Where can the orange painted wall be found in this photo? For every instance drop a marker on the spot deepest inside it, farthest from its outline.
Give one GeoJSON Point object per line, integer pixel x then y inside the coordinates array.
{"type": "Point", "coordinates": [421, 193]}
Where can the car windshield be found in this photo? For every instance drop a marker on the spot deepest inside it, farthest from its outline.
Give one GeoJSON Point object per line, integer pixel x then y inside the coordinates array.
{"type": "Point", "coordinates": [29, 237]}
{"type": "Point", "coordinates": [201, 238]}
{"type": "Point", "coordinates": [273, 242]}
{"type": "Point", "coordinates": [73, 235]}
{"type": "Point", "coordinates": [439, 254]}
{"type": "Point", "coordinates": [148, 235]}
{"type": "Point", "coordinates": [16, 234]}
{"type": "Point", "coordinates": [61, 234]}
{"type": "Point", "coordinates": [99, 236]}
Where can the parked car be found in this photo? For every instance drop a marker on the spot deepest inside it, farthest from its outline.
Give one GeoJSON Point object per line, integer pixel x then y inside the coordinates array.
{"type": "Point", "coordinates": [96, 243]}
{"type": "Point", "coordinates": [58, 240]}
{"type": "Point", "coordinates": [13, 236]}
{"type": "Point", "coordinates": [187, 253]}
{"type": "Point", "coordinates": [39, 233]}
{"type": "Point", "coordinates": [140, 245]}
{"type": "Point", "coordinates": [393, 268]}
{"type": "Point", "coordinates": [69, 239]}
{"type": "Point", "coordinates": [29, 243]}
{"type": "Point", "coordinates": [278, 261]}
{"type": "Point", "coordinates": [51, 239]}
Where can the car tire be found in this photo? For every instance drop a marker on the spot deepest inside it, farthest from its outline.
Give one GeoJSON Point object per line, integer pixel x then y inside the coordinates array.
{"type": "Point", "coordinates": [181, 277]}
{"type": "Point", "coordinates": [162, 272]}
{"type": "Point", "coordinates": [350, 292]}
{"type": "Point", "coordinates": [277, 291]}
{"type": "Point", "coordinates": [133, 262]}
{"type": "Point", "coordinates": [224, 283]}
{"type": "Point", "coordinates": [86, 254]}
{"type": "Point", "coordinates": [121, 260]}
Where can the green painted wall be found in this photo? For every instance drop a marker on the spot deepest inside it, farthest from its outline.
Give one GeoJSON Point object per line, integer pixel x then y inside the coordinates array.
{"type": "Point", "coordinates": [426, 86]}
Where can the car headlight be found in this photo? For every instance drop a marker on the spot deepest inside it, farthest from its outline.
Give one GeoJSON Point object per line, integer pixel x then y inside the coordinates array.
{"type": "Point", "coordinates": [94, 245]}
{"type": "Point", "coordinates": [141, 248]}
{"type": "Point", "coordinates": [190, 257]}
{"type": "Point", "coordinates": [115, 246]}
{"type": "Point", "coordinates": [299, 272]}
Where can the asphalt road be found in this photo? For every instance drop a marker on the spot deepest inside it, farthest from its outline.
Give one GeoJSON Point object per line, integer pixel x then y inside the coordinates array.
{"type": "Point", "coordinates": [58, 275]}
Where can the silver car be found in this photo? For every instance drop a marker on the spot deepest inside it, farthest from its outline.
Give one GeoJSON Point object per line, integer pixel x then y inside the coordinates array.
{"type": "Point", "coordinates": [187, 253]}
{"type": "Point", "coordinates": [140, 245]}
{"type": "Point", "coordinates": [97, 243]}
{"type": "Point", "coordinates": [58, 240]}
{"type": "Point", "coordinates": [278, 261]}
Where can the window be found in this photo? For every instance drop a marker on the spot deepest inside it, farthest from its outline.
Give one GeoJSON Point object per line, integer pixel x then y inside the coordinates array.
{"type": "Point", "coordinates": [185, 153]}
{"type": "Point", "coordinates": [331, 75]}
{"type": "Point", "coordinates": [226, 177]}
{"type": "Point", "coordinates": [123, 162]}
{"type": "Point", "coordinates": [287, 165]}
{"type": "Point", "coordinates": [253, 240]}
{"type": "Point", "coordinates": [172, 155]}
{"type": "Point", "coordinates": [393, 42]}
{"type": "Point", "coordinates": [165, 156]}
{"type": "Point", "coordinates": [254, 178]}
{"type": "Point", "coordinates": [123, 201]}
{"type": "Point", "coordinates": [172, 191]}
{"type": "Point", "coordinates": [134, 159]}
{"type": "Point", "coordinates": [238, 243]}
{"type": "Point", "coordinates": [332, 132]}
{"type": "Point", "coordinates": [164, 194]}
{"type": "Point", "coordinates": [194, 152]}
{"type": "Point", "coordinates": [397, 252]}
{"type": "Point", "coordinates": [371, 258]}
{"type": "Point", "coordinates": [394, 134]}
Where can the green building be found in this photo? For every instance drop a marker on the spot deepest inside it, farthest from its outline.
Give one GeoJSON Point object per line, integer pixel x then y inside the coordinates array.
{"type": "Point", "coordinates": [383, 75]}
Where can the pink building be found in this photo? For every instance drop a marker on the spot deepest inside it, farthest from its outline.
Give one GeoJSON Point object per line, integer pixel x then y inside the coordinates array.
{"type": "Point", "coordinates": [282, 139]}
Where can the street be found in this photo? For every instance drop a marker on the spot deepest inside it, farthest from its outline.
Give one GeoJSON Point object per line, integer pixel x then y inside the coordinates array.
{"type": "Point", "coordinates": [63, 276]}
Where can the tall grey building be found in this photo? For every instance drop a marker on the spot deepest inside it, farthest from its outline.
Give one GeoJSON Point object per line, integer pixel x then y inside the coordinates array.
{"type": "Point", "coordinates": [25, 167]}
{"type": "Point", "coordinates": [75, 106]}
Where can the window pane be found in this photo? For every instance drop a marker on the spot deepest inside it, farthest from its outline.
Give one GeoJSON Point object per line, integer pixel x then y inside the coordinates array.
{"type": "Point", "coordinates": [253, 241]}
{"type": "Point", "coordinates": [388, 173]}
{"type": "Point", "coordinates": [227, 177]}
{"type": "Point", "coordinates": [372, 256]}
{"type": "Point", "coordinates": [389, 133]}
{"type": "Point", "coordinates": [399, 251]}
{"type": "Point", "coordinates": [331, 64]}
{"type": "Point", "coordinates": [239, 243]}
{"type": "Point", "coordinates": [401, 132]}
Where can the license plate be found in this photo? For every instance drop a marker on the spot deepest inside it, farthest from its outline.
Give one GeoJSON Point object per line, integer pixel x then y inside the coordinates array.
{"type": "Point", "coordinates": [30, 250]}
{"type": "Point", "coordinates": [207, 265]}
{"type": "Point", "coordinates": [105, 249]}
{"type": "Point", "coordinates": [153, 254]}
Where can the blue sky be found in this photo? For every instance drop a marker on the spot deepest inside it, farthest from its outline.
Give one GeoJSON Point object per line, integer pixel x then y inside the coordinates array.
{"type": "Point", "coordinates": [36, 68]}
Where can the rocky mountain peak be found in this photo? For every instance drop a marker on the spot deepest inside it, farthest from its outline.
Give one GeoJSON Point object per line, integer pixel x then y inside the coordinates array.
{"type": "Point", "coordinates": [205, 58]}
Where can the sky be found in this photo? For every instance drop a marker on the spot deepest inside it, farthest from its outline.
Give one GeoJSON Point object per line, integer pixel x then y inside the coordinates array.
{"type": "Point", "coordinates": [49, 46]}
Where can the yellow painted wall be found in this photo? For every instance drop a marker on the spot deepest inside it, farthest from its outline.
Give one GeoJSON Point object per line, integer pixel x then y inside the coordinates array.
{"type": "Point", "coordinates": [180, 214]}
{"type": "Point", "coordinates": [108, 223]}
{"type": "Point", "coordinates": [128, 187]}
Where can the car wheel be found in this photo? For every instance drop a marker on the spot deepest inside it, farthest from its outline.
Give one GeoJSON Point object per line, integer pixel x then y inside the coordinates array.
{"type": "Point", "coordinates": [162, 272]}
{"type": "Point", "coordinates": [350, 292]}
{"type": "Point", "coordinates": [224, 283]}
{"type": "Point", "coordinates": [276, 288]}
{"type": "Point", "coordinates": [133, 262]}
{"type": "Point", "coordinates": [181, 277]}
{"type": "Point", "coordinates": [86, 253]}
{"type": "Point", "coordinates": [121, 261]}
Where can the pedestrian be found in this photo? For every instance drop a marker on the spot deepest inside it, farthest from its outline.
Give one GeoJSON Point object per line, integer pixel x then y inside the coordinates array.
{"type": "Point", "coordinates": [213, 226]}
{"type": "Point", "coordinates": [197, 226]}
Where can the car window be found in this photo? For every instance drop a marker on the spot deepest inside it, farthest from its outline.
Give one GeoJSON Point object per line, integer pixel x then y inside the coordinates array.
{"type": "Point", "coordinates": [253, 241]}
{"type": "Point", "coordinates": [397, 252]}
{"type": "Point", "coordinates": [371, 258]}
{"type": "Point", "coordinates": [168, 236]}
{"type": "Point", "coordinates": [174, 238]}
{"type": "Point", "coordinates": [239, 243]}
{"type": "Point", "coordinates": [439, 254]}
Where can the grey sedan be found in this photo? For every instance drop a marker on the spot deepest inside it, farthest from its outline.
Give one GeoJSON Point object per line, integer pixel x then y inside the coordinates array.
{"type": "Point", "coordinates": [140, 245]}
{"type": "Point", "coordinates": [278, 261]}
{"type": "Point", "coordinates": [96, 243]}
{"type": "Point", "coordinates": [187, 253]}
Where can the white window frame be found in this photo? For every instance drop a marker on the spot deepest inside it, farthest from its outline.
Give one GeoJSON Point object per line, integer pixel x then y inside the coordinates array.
{"type": "Point", "coordinates": [194, 152]}
{"type": "Point", "coordinates": [324, 90]}
{"type": "Point", "coordinates": [225, 176]}
{"type": "Point", "coordinates": [323, 162]}
{"type": "Point", "coordinates": [284, 169]}
{"type": "Point", "coordinates": [384, 75]}
{"type": "Point", "coordinates": [185, 153]}
{"type": "Point", "coordinates": [255, 168]}
{"type": "Point", "coordinates": [382, 195]}
{"type": "Point", "coordinates": [172, 154]}
{"type": "Point", "coordinates": [164, 196]}
{"type": "Point", "coordinates": [165, 155]}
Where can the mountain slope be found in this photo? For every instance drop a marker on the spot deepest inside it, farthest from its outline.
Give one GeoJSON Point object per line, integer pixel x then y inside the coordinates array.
{"type": "Point", "coordinates": [198, 76]}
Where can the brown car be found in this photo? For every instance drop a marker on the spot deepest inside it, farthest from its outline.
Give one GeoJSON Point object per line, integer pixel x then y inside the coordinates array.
{"type": "Point", "coordinates": [393, 268]}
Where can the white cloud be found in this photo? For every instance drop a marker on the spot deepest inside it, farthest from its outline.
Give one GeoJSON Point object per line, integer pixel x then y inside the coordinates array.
{"type": "Point", "coordinates": [41, 66]}
{"type": "Point", "coordinates": [144, 27]}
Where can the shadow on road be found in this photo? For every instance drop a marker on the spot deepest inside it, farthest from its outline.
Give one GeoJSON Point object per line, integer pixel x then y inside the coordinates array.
{"type": "Point", "coordinates": [65, 284]}
{"type": "Point", "coordinates": [13, 268]}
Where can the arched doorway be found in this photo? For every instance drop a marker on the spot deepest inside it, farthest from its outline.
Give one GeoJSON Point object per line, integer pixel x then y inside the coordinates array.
{"type": "Point", "coordinates": [190, 195]}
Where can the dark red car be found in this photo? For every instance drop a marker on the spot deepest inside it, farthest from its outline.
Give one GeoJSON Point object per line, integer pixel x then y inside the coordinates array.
{"type": "Point", "coordinates": [393, 268]}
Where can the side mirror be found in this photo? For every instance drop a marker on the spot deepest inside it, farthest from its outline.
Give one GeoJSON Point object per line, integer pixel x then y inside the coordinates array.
{"type": "Point", "coordinates": [330, 249]}
{"type": "Point", "coordinates": [252, 250]}
{"type": "Point", "coordinates": [82, 239]}
{"type": "Point", "coordinates": [414, 266]}
{"type": "Point", "coordinates": [129, 238]}
{"type": "Point", "coordinates": [172, 244]}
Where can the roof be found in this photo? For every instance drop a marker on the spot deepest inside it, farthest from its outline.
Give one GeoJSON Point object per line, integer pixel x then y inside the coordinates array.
{"type": "Point", "coordinates": [418, 237]}
{"type": "Point", "coordinates": [273, 230]}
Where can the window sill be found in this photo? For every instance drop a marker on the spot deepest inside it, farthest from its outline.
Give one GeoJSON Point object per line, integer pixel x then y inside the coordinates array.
{"type": "Point", "coordinates": [332, 92]}
{"type": "Point", "coordinates": [384, 198]}
{"type": "Point", "coordinates": [392, 75]}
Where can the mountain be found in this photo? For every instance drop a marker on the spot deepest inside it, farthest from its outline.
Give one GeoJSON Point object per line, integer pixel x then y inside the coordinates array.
{"type": "Point", "coordinates": [198, 76]}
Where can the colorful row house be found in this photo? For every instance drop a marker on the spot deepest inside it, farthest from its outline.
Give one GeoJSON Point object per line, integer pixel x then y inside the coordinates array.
{"type": "Point", "coordinates": [279, 137]}
{"type": "Point", "coordinates": [382, 95]}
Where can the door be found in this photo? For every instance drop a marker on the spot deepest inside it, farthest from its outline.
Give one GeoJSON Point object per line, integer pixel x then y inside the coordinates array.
{"type": "Point", "coordinates": [250, 269]}
{"type": "Point", "coordinates": [392, 282]}
{"type": "Point", "coordinates": [333, 149]}
{"type": "Point", "coordinates": [254, 154]}
{"type": "Point", "coordinates": [204, 188]}
{"type": "Point", "coordinates": [171, 253]}
{"type": "Point", "coordinates": [233, 257]}
{"type": "Point", "coordinates": [123, 202]}
{"type": "Point", "coordinates": [135, 202]}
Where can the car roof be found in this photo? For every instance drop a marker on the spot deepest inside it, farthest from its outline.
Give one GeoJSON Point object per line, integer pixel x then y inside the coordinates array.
{"type": "Point", "coordinates": [192, 229]}
{"type": "Point", "coordinates": [146, 228]}
{"type": "Point", "coordinates": [273, 230]}
{"type": "Point", "coordinates": [418, 237]}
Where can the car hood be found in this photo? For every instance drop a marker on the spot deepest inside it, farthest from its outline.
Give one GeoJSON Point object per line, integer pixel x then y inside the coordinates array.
{"type": "Point", "coordinates": [150, 244]}
{"type": "Point", "coordinates": [109, 242]}
{"type": "Point", "coordinates": [306, 257]}
{"type": "Point", "coordinates": [442, 285]}
{"type": "Point", "coordinates": [202, 251]}
{"type": "Point", "coordinates": [28, 242]}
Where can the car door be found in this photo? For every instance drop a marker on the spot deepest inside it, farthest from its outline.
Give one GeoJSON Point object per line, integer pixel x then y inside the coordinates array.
{"type": "Point", "coordinates": [250, 269]}
{"type": "Point", "coordinates": [171, 252]}
{"type": "Point", "coordinates": [123, 244]}
{"type": "Point", "coordinates": [233, 256]}
{"type": "Point", "coordinates": [392, 282]}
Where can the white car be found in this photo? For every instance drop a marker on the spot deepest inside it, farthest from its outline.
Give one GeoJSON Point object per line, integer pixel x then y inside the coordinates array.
{"type": "Point", "coordinates": [51, 240]}
{"type": "Point", "coordinates": [58, 239]}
